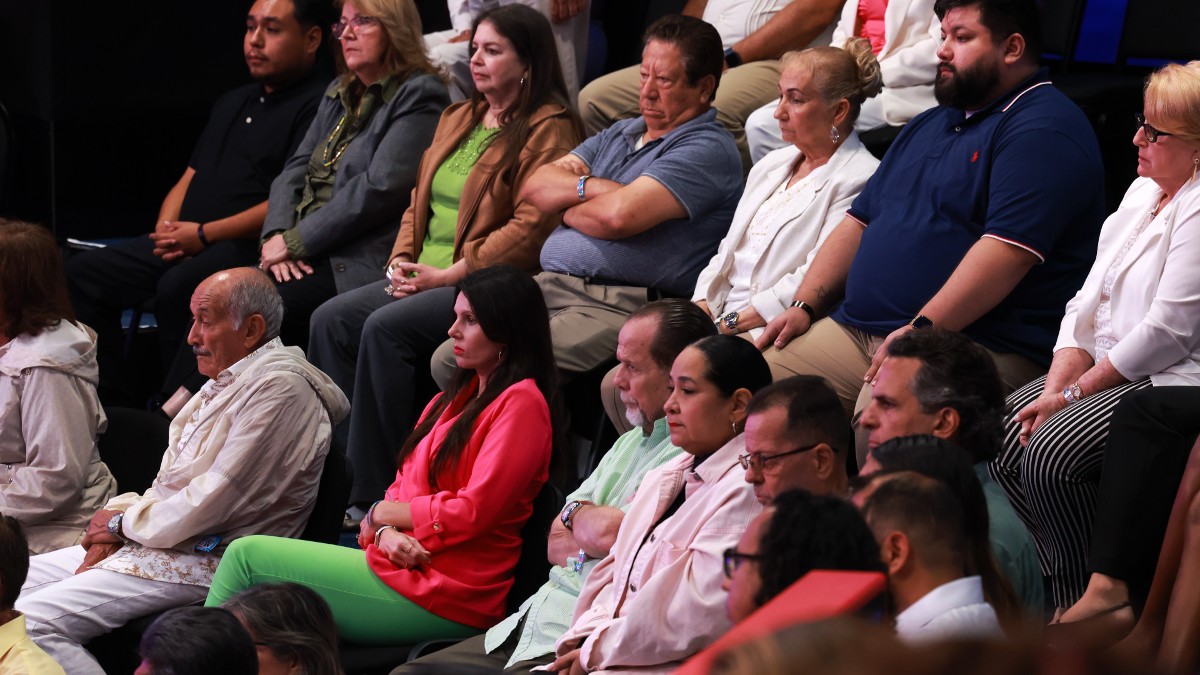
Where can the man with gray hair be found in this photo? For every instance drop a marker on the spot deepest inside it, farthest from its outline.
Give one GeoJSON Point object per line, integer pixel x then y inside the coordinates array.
{"type": "Point", "coordinates": [245, 457]}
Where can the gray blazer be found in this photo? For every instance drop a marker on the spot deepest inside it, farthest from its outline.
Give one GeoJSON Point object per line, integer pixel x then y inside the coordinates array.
{"type": "Point", "coordinates": [373, 185]}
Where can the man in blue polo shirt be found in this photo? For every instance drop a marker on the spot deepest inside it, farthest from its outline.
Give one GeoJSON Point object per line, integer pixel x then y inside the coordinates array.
{"type": "Point", "coordinates": [982, 218]}
{"type": "Point", "coordinates": [644, 203]}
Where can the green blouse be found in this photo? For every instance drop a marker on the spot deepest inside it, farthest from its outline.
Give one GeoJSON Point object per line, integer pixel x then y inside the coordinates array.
{"type": "Point", "coordinates": [446, 195]}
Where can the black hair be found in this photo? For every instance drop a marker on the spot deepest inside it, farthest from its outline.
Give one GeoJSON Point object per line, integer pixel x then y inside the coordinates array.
{"type": "Point", "coordinates": [814, 411]}
{"type": "Point", "coordinates": [926, 511]}
{"type": "Point", "coordinates": [679, 324]}
{"type": "Point", "coordinates": [533, 40]}
{"type": "Point", "coordinates": [957, 373]}
{"type": "Point", "coordinates": [293, 622]}
{"type": "Point", "coordinates": [1003, 18]}
{"type": "Point", "coordinates": [317, 13]}
{"type": "Point", "coordinates": [699, 44]}
{"type": "Point", "coordinates": [810, 532]}
{"type": "Point", "coordinates": [733, 363]}
{"type": "Point", "coordinates": [945, 462]}
{"type": "Point", "coordinates": [14, 561]}
{"type": "Point", "coordinates": [511, 312]}
{"type": "Point", "coordinates": [198, 641]}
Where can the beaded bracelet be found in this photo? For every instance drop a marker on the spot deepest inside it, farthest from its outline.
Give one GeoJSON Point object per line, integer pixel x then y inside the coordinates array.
{"type": "Point", "coordinates": [371, 512]}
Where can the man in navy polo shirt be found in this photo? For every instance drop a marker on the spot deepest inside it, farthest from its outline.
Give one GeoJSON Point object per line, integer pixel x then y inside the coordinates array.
{"type": "Point", "coordinates": [644, 203]}
{"type": "Point", "coordinates": [982, 218]}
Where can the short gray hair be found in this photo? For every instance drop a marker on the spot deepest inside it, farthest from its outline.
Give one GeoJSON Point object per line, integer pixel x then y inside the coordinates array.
{"type": "Point", "coordinates": [255, 294]}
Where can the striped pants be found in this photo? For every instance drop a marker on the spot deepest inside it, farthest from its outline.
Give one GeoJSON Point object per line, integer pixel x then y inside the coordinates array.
{"type": "Point", "coordinates": [1052, 483]}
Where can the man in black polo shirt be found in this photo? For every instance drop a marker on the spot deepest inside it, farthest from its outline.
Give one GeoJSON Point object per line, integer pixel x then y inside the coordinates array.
{"type": "Point", "coordinates": [211, 218]}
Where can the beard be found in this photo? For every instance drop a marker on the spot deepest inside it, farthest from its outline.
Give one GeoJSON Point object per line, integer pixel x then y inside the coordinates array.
{"type": "Point", "coordinates": [635, 416]}
{"type": "Point", "coordinates": [968, 88]}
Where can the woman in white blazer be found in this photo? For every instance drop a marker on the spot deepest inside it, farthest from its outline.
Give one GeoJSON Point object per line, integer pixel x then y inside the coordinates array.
{"type": "Point", "coordinates": [907, 60]}
{"type": "Point", "coordinates": [1135, 323]}
{"type": "Point", "coordinates": [797, 195]}
{"type": "Point", "coordinates": [793, 199]}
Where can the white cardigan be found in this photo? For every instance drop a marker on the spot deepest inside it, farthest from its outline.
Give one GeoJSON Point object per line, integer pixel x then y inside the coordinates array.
{"type": "Point", "coordinates": [1156, 296]}
{"type": "Point", "coordinates": [908, 60]}
{"type": "Point", "coordinates": [815, 211]}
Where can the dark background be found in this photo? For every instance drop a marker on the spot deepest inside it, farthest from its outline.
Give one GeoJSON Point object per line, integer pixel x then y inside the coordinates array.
{"type": "Point", "coordinates": [106, 99]}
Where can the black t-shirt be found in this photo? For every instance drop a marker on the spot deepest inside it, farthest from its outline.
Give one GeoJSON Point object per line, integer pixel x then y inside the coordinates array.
{"type": "Point", "coordinates": [249, 136]}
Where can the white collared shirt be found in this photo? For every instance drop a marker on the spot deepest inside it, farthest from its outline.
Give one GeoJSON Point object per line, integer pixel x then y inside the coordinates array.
{"type": "Point", "coordinates": [952, 610]}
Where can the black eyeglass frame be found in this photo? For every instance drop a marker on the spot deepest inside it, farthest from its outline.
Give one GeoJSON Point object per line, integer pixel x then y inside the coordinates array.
{"type": "Point", "coordinates": [1151, 133]}
{"type": "Point", "coordinates": [731, 558]}
{"type": "Point", "coordinates": [748, 460]}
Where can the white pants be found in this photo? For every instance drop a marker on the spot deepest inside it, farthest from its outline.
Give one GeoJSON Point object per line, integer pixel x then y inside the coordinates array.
{"type": "Point", "coordinates": [763, 135]}
{"type": "Point", "coordinates": [64, 610]}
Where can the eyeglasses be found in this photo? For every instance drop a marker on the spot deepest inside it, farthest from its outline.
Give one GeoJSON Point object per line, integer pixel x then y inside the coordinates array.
{"type": "Point", "coordinates": [358, 23]}
{"type": "Point", "coordinates": [733, 557]}
{"type": "Point", "coordinates": [764, 463]}
{"type": "Point", "coordinates": [1152, 134]}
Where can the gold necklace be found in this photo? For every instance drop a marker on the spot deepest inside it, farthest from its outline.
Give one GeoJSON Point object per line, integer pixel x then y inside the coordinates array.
{"type": "Point", "coordinates": [329, 143]}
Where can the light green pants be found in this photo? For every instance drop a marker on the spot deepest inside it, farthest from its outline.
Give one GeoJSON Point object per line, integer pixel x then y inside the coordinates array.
{"type": "Point", "coordinates": [366, 610]}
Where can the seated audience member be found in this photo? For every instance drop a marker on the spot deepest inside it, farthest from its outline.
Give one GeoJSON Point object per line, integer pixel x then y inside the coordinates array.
{"type": "Point", "coordinates": [336, 206]}
{"type": "Point", "coordinates": [1132, 325]}
{"type": "Point", "coordinates": [1168, 630]}
{"type": "Point", "coordinates": [793, 200]}
{"type": "Point", "coordinates": [197, 641]}
{"type": "Point", "coordinates": [52, 477]}
{"type": "Point", "coordinates": [991, 250]}
{"type": "Point", "coordinates": [753, 35]}
{"type": "Point", "coordinates": [657, 597]}
{"type": "Point", "coordinates": [18, 654]}
{"type": "Point", "coordinates": [1150, 437]}
{"type": "Point", "coordinates": [245, 457]}
{"type": "Point", "coordinates": [465, 215]}
{"type": "Point", "coordinates": [797, 533]}
{"type": "Point", "coordinates": [584, 532]}
{"type": "Point", "coordinates": [292, 629]}
{"type": "Point", "coordinates": [643, 204]}
{"type": "Point", "coordinates": [210, 220]}
{"type": "Point", "coordinates": [903, 35]}
{"type": "Point", "coordinates": [448, 49]}
{"type": "Point", "coordinates": [796, 436]}
{"type": "Point", "coordinates": [438, 550]}
{"type": "Point", "coordinates": [922, 535]}
{"type": "Point", "coordinates": [942, 460]}
{"type": "Point", "coordinates": [941, 383]}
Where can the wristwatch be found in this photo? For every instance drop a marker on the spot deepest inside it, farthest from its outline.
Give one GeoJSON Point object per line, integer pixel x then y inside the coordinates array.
{"type": "Point", "coordinates": [1073, 393]}
{"type": "Point", "coordinates": [569, 511]}
{"type": "Point", "coordinates": [732, 58]}
{"type": "Point", "coordinates": [114, 525]}
{"type": "Point", "coordinates": [921, 321]}
{"type": "Point", "coordinates": [730, 321]}
{"type": "Point", "coordinates": [807, 308]}
{"type": "Point", "coordinates": [579, 186]}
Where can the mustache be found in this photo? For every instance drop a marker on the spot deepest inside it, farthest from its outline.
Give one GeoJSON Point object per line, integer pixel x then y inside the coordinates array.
{"type": "Point", "coordinates": [200, 351]}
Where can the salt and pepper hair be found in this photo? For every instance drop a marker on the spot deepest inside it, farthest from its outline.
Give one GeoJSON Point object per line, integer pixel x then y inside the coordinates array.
{"type": "Point", "coordinates": [198, 641]}
{"type": "Point", "coordinates": [293, 622]}
{"type": "Point", "coordinates": [255, 294]}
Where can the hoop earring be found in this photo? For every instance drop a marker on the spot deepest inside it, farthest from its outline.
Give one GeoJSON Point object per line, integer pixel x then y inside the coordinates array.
{"type": "Point", "coordinates": [500, 355]}
{"type": "Point", "coordinates": [522, 80]}
{"type": "Point", "coordinates": [835, 135]}
{"type": "Point", "coordinates": [734, 426]}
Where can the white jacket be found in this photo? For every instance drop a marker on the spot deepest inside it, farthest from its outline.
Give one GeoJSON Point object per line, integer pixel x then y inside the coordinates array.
{"type": "Point", "coordinates": [1156, 296]}
{"type": "Point", "coordinates": [51, 476]}
{"type": "Point", "coordinates": [815, 212]}
{"type": "Point", "coordinates": [908, 59]}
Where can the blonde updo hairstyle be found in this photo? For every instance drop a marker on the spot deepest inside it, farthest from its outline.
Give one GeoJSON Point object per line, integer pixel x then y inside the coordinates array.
{"type": "Point", "coordinates": [1172, 100]}
{"type": "Point", "coordinates": [850, 72]}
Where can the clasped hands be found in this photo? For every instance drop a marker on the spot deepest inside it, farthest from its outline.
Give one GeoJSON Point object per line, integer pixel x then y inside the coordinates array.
{"type": "Point", "coordinates": [404, 551]}
{"type": "Point", "coordinates": [99, 542]}
{"type": "Point", "coordinates": [275, 259]}
{"type": "Point", "coordinates": [409, 278]}
{"type": "Point", "coordinates": [174, 240]}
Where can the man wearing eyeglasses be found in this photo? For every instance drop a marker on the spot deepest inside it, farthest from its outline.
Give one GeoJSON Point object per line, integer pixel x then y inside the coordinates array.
{"type": "Point", "coordinates": [210, 219]}
{"type": "Point", "coordinates": [941, 383]}
{"type": "Point", "coordinates": [797, 436]}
